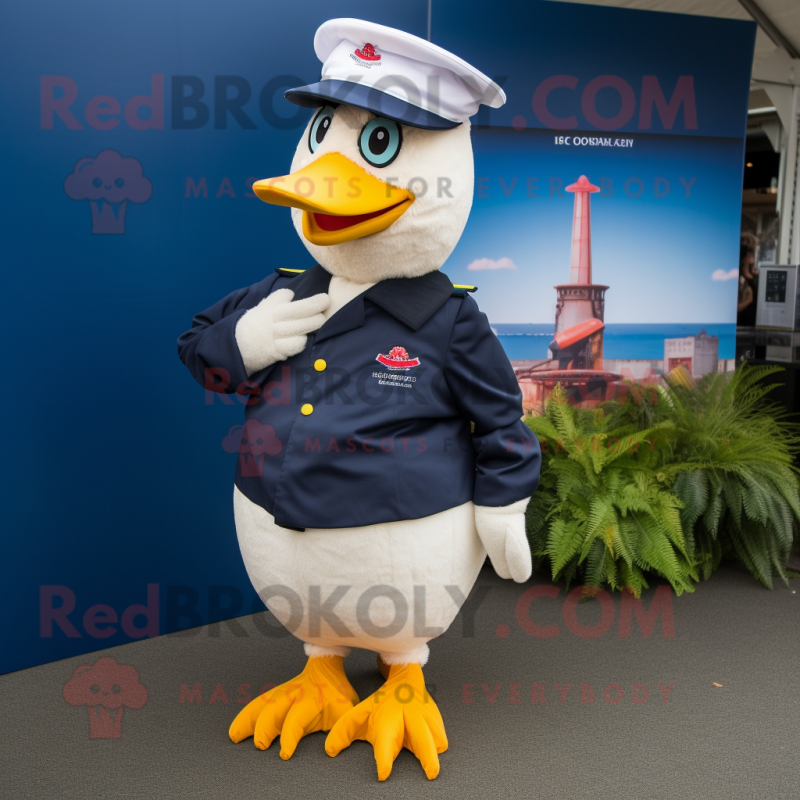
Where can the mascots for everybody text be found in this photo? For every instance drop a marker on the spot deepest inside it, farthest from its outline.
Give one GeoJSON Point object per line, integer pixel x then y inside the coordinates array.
{"type": "Point", "coordinates": [393, 457]}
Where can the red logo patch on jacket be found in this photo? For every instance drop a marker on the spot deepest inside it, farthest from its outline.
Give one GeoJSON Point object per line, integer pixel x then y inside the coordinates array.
{"type": "Point", "coordinates": [397, 358]}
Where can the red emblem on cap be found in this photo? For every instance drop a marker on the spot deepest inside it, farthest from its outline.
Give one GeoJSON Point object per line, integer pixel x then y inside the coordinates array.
{"type": "Point", "coordinates": [368, 53]}
{"type": "Point", "coordinates": [397, 358]}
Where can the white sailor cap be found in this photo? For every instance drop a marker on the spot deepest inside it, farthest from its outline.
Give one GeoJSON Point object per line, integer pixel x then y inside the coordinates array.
{"type": "Point", "coordinates": [395, 75]}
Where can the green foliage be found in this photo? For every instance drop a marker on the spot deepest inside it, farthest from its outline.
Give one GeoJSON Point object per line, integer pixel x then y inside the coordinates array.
{"type": "Point", "coordinates": [602, 510]}
{"type": "Point", "coordinates": [667, 481]}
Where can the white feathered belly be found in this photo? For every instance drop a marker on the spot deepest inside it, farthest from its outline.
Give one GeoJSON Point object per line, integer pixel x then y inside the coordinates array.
{"type": "Point", "coordinates": [429, 553]}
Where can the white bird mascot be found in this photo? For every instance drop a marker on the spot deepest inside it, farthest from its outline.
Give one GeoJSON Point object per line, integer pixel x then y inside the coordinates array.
{"type": "Point", "coordinates": [383, 455]}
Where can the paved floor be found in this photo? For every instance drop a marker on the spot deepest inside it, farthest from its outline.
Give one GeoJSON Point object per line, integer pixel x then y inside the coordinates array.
{"type": "Point", "coordinates": [740, 740]}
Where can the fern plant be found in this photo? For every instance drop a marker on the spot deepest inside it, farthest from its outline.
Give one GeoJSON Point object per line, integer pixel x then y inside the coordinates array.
{"type": "Point", "coordinates": [732, 466]}
{"type": "Point", "coordinates": [603, 512]}
{"type": "Point", "coordinates": [667, 481]}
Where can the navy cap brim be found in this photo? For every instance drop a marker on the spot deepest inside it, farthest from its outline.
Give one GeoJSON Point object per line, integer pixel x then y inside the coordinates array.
{"type": "Point", "coordinates": [370, 99]}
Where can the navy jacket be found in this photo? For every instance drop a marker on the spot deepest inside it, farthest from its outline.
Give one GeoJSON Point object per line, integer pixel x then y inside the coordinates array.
{"type": "Point", "coordinates": [371, 422]}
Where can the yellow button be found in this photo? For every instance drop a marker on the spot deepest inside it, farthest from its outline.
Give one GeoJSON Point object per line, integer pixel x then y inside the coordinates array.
{"type": "Point", "coordinates": [306, 409]}
{"type": "Point", "coordinates": [320, 364]}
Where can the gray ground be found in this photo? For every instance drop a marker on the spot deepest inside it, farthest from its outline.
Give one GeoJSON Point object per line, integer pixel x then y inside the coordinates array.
{"type": "Point", "coordinates": [738, 741]}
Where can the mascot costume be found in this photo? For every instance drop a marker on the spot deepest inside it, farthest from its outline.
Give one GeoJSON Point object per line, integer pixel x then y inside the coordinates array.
{"type": "Point", "coordinates": [385, 454]}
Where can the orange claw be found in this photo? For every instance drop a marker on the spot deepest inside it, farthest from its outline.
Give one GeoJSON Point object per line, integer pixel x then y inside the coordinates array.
{"type": "Point", "coordinates": [400, 714]}
{"type": "Point", "coordinates": [313, 701]}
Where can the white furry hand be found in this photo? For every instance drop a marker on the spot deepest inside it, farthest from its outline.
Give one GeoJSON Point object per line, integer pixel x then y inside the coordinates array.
{"type": "Point", "coordinates": [502, 531]}
{"type": "Point", "coordinates": [278, 328]}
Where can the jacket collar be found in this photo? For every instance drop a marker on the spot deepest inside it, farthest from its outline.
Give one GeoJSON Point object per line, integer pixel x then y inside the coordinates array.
{"type": "Point", "coordinates": [310, 282]}
{"type": "Point", "coordinates": [412, 301]}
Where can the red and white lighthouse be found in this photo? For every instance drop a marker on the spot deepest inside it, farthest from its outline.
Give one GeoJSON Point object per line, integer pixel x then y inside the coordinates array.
{"type": "Point", "coordinates": [580, 303]}
{"type": "Point", "coordinates": [576, 352]}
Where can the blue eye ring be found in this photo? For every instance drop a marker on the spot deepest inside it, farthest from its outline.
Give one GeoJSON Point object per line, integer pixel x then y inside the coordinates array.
{"type": "Point", "coordinates": [97, 183]}
{"type": "Point", "coordinates": [119, 183]}
{"type": "Point", "coordinates": [320, 127]}
{"type": "Point", "coordinates": [371, 143]}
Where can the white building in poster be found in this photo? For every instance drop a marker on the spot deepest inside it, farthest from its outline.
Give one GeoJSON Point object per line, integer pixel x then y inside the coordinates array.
{"type": "Point", "coordinates": [699, 354]}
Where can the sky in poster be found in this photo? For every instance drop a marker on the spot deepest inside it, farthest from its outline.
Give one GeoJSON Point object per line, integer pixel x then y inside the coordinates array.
{"type": "Point", "coordinates": [664, 225]}
{"type": "Point", "coordinates": [668, 248]}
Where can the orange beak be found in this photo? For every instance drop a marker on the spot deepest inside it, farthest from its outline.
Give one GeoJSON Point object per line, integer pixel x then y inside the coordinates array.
{"type": "Point", "coordinates": [340, 200]}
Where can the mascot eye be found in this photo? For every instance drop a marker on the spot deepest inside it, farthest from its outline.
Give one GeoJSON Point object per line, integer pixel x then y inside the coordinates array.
{"type": "Point", "coordinates": [379, 141]}
{"type": "Point", "coordinates": [320, 127]}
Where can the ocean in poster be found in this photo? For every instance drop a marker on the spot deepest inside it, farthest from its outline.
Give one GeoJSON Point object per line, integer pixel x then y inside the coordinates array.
{"type": "Point", "coordinates": [522, 341]}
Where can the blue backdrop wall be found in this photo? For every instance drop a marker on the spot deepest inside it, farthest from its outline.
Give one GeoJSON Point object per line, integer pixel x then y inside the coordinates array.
{"type": "Point", "coordinates": [132, 134]}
